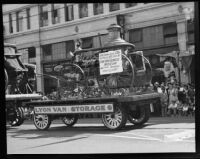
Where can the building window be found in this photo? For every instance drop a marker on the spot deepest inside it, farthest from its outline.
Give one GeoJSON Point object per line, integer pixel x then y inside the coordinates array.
{"type": "Point", "coordinates": [58, 51]}
{"type": "Point", "coordinates": [83, 10]}
{"type": "Point", "coordinates": [28, 18]}
{"type": "Point", "coordinates": [114, 6]}
{"type": "Point", "coordinates": [98, 8]}
{"type": "Point", "coordinates": [87, 43]}
{"type": "Point", "coordinates": [170, 33]}
{"type": "Point", "coordinates": [55, 14]}
{"type": "Point", "coordinates": [135, 35]}
{"type": "Point", "coordinates": [20, 20]}
{"type": "Point", "coordinates": [190, 31]}
{"type": "Point", "coordinates": [169, 30]}
{"type": "Point", "coordinates": [10, 24]}
{"type": "Point", "coordinates": [44, 15]}
{"type": "Point", "coordinates": [130, 5]}
{"type": "Point", "coordinates": [69, 12]}
{"type": "Point", "coordinates": [31, 54]}
{"type": "Point", "coordinates": [47, 52]}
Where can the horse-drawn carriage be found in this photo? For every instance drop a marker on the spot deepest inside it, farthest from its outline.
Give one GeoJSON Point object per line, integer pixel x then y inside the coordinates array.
{"type": "Point", "coordinates": [19, 84]}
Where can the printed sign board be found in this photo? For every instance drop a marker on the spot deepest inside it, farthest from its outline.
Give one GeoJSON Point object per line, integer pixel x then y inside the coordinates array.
{"type": "Point", "coordinates": [110, 62]}
{"type": "Point", "coordinates": [63, 109]}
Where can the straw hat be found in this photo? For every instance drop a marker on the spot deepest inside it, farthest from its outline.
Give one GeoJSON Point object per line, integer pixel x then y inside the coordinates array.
{"type": "Point", "coordinates": [12, 51]}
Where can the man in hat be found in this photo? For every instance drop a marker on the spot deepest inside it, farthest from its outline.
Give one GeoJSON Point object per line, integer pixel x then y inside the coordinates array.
{"type": "Point", "coordinates": [14, 67]}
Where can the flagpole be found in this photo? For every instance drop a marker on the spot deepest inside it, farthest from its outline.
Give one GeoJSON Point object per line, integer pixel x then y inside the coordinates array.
{"type": "Point", "coordinates": [179, 73]}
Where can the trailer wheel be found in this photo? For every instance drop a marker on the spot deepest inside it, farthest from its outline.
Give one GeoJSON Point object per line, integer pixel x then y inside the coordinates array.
{"type": "Point", "coordinates": [70, 120]}
{"type": "Point", "coordinates": [140, 116]}
{"type": "Point", "coordinates": [115, 120]}
{"type": "Point", "coordinates": [19, 117]}
{"type": "Point", "coordinates": [42, 122]}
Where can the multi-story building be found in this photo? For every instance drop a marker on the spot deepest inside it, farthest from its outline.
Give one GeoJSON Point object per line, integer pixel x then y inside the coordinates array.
{"type": "Point", "coordinates": [46, 33]}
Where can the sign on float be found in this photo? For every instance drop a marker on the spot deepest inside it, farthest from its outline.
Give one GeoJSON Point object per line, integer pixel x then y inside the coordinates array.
{"type": "Point", "coordinates": [110, 62]}
{"type": "Point", "coordinates": [61, 109]}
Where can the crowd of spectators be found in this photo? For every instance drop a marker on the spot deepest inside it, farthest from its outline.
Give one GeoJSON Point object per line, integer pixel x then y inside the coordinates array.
{"type": "Point", "coordinates": [176, 100]}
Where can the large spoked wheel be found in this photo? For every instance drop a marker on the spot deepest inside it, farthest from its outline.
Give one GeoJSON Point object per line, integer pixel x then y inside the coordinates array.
{"type": "Point", "coordinates": [115, 120]}
{"type": "Point", "coordinates": [19, 117]}
{"type": "Point", "coordinates": [73, 80]}
{"type": "Point", "coordinates": [42, 122]}
{"type": "Point", "coordinates": [121, 79]}
{"type": "Point", "coordinates": [140, 115]}
{"type": "Point", "coordinates": [6, 79]}
{"type": "Point", "coordinates": [70, 120]}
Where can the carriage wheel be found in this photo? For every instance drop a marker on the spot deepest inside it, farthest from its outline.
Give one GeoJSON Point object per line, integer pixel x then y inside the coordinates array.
{"type": "Point", "coordinates": [70, 120]}
{"type": "Point", "coordinates": [42, 122]}
{"type": "Point", "coordinates": [73, 79]}
{"type": "Point", "coordinates": [119, 80]}
{"type": "Point", "coordinates": [115, 120]}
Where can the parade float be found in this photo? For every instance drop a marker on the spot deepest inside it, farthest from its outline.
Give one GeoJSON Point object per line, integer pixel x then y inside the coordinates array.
{"type": "Point", "coordinates": [111, 80]}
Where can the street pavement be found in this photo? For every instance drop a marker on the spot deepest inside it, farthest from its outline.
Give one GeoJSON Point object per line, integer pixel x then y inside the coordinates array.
{"type": "Point", "coordinates": [88, 136]}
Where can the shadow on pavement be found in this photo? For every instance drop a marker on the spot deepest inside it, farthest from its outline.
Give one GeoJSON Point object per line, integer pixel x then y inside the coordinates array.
{"type": "Point", "coordinates": [82, 131]}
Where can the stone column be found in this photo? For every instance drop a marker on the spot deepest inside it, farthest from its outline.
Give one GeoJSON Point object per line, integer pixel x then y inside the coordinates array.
{"type": "Point", "coordinates": [182, 35]}
{"type": "Point", "coordinates": [182, 43]}
{"type": "Point", "coordinates": [106, 7]}
{"type": "Point", "coordinates": [34, 20]}
{"type": "Point", "coordinates": [39, 69]}
{"type": "Point", "coordinates": [76, 11]}
{"type": "Point", "coordinates": [49, 14]}
{"type": "Point", "coordinates": [90, 10]}
{"type": "Point", "coordinates": [62, 13]}
{"type": "Point", "coordinates": [122, 6]}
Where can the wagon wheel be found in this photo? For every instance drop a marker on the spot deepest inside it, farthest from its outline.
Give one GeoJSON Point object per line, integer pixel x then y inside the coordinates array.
{"type": "Point", "coordinates": [6, 79]}
{"type": "Point", "coordinates": [42, 122]}
{"type": "Point", "coordinates": [19, 117]}
{"type": "Point", "coordinates": [73, 79]}
{"type": "Point", "coordinates": [70, 120]}
{"type": "Point", "coordinates": [115, 120]}
{"type": "Point", "coordinates": [121, 79]}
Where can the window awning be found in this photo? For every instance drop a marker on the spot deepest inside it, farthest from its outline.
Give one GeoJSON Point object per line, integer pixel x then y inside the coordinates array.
{"type": "Point", "coordinates": [161, 50]}
{"type": "Point", "coordinates": [175, 54]}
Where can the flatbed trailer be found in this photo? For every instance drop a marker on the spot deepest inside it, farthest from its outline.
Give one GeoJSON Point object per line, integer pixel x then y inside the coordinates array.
{"type": "Point", "coordinates": [111, 80]}
{"type": "Point", "coordinates": [115, 110]}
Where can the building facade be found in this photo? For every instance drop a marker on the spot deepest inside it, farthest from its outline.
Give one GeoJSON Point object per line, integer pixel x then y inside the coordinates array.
{"type": "Point", "coordinates": [46, 33]}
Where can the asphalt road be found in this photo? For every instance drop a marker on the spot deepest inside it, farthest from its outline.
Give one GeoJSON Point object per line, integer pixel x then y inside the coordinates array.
{"type": "Point", "coordinates": [90, 136]}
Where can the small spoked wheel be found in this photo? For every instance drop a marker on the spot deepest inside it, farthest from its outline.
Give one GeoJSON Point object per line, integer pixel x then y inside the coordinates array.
{"type": "Point", "coordinates": [42, 122]}
{"type": "Point", "coordinates": [115, 120]}
{"type": "Point", "coordinates": [70, 120]}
